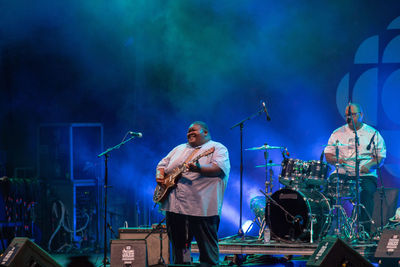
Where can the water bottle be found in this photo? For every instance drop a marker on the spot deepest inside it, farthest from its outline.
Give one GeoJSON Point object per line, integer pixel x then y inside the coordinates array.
{"type": "Point", "coordinates": [267, 235]}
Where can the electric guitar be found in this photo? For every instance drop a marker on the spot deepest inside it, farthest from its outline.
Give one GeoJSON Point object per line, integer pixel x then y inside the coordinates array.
{"type": "Point", "coordinates": [162, 190]}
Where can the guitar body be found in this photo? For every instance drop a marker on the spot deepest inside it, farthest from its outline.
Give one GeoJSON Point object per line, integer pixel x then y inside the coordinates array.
{"type": "Point", "coordinates": [163, 189]}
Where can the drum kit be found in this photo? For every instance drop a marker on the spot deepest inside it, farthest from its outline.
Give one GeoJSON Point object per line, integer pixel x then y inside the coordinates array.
{"type": "Point", "coordinates": [309, 205]}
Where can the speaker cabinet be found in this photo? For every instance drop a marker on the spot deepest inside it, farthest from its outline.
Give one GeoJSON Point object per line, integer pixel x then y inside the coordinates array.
{"type": "Point", "coordinates": [333, 252]}
{"type": "Point", "coordinates": [388, 250]}
{"type": "Point", "coordinates": [67, 151]}
{"type": "Point", "coordinates": [128, 253]}
{"type": "Point", "coordinates": [389, 205]}
{"type": "Point", "coordinates": [157, 240]}
{"type": "Point", "coordinates": [23, 252]}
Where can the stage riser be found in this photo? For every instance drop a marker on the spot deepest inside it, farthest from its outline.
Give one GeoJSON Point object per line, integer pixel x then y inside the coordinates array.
{"type": "Point", "coordinates": [279, 249]}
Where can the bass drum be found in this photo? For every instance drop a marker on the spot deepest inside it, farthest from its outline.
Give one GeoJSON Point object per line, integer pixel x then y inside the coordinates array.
{"type": "Point", "coordinates": [292, 215]}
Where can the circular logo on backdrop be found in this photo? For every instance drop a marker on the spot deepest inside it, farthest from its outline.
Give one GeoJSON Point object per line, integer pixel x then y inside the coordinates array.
{"type": "Point", "coordinates": [374, 83]}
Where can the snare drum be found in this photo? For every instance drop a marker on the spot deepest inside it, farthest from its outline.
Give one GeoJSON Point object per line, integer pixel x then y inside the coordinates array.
{"type": "Point", "coordinates": [345, 187]}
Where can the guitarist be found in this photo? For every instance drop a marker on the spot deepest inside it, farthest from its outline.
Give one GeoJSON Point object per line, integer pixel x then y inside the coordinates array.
{"type": "Point", "coordinates": [193, 207]}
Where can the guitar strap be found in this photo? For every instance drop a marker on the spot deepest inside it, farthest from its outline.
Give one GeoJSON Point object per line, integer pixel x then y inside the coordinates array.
{"type": "Point", "coordinates": [191, 155]}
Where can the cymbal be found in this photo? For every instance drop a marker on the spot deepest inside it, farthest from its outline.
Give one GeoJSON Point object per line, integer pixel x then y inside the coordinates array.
{"type": "Point", "coordinates": [264, 147]}
{"type": "Point", "coordinates": [337, 144]}
{"type": "Point", "coordinates": [360, 158]}
{"type": "Point", "coordinates": [268, 165]}
{"type": "Point", "coordinates": [344, 164]}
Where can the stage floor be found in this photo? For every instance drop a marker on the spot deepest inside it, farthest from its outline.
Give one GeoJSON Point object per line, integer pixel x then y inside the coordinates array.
{"type": "Point", "coordinates": [249, 251]}
{"type": "Point", "coordinates": [253, 246]}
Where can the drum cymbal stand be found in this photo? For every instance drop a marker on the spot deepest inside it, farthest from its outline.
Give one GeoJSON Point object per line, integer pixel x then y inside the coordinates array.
{"type": "Point", "coordinates": [269, 176]}
{"type": "Point", "coordinates": [269, 173]}
{"type": "Point", "coordinates": [362, 234]}
{"type": "Point", "coordinates": [343, 226]}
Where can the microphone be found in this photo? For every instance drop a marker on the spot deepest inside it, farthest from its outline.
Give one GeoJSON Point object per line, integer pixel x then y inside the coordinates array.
{"type": "Point", "coordinates": [348, 120]}
{"type": "Point", "coordinates": [321, 158]}
{"type": "Point", "coordinates": [266, 111]}
{"type": "Point", "coordinates": [138, 135]}
{"type": "Point", "coordinates": [287, 152]}
{"type": "Point", "coordinates": [370, 142]}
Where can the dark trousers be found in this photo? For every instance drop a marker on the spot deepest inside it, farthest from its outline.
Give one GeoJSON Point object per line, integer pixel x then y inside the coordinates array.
{"type": "Point", "coordinates": [181, 230]}
{"type": "Point", "coordinates": [367, 190]}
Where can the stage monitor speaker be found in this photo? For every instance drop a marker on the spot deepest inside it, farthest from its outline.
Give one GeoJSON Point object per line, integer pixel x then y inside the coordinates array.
{"type": "Point", "coordinates": [128, 253]}
{"type": "Point", "coordinates": [333, 252]}
{"type": "Point", "coordinates": [390, 198]}
{"type": "Point", "coordinates": [23, 252]}
{"type": "Point", "coordinates": [388, 250]}
{"type": "Point", "coordinates": [157, 239]}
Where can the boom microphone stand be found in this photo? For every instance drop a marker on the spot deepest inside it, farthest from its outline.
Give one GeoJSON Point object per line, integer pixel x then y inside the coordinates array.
{"type": "Point", "coordinates": [382, 193]}
{"type": "Point", "coordinates": [356, 144]}
{"type": "Point", "coordinates": [241, 124]}
{"type": "Point", "coordinates": [106, 155]}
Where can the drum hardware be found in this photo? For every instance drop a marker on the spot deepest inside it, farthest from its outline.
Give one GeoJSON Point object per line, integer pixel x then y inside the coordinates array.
{"type": "Point", "coordinates": [346, 188]}
{"type": "Point", "coordinates": [269, 175]}
{"type": "Point", "coordinates": [336, 144]}
{"type": "Point", "coordinates": [268, 165]}
{"type": "Point", "coordinates": [257, 205]}
{"type": "Point", "coordinates": [264, 147]}
{"type": "Point", "coordinates": [337, 213]}
{"type": "Point", "coordinates": [363, 235]}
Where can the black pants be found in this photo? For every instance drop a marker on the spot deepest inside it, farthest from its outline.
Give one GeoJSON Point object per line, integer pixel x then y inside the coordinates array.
{"type": "Point", "coordinates": [367, 190]}
{"type": "Point", "coordinates": [182, 229]}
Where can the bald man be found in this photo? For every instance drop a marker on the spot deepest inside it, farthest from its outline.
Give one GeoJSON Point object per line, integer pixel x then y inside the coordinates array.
{"type": "Point", "coordinates": [341, 151]}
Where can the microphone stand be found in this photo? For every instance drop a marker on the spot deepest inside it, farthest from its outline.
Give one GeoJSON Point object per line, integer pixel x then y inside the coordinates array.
{"type": "Point", "coordinates": [159, 228]}
{"type": "Point", "coordinates": [270, 199]}
{"type": "Point", "coordinates": [356, 143]}
{"type": "Point", "coordinates": [106, 155]}
{"type": "Point", "coordinates": [241, 124]}
{"type": "Point", "coordinates": [382, 193]}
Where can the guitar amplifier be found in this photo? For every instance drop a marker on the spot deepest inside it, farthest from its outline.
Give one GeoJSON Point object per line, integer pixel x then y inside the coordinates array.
{"type": "Point", "coordinates": [156, 239]}
{"type": "Point", "coordinates": [128, 253]}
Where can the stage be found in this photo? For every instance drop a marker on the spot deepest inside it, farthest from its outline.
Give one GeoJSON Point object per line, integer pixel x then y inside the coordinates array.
{"type": "Point", "coordinates": [251, 246]}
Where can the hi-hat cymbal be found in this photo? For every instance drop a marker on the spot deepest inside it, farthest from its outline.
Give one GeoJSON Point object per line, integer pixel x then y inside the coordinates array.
{"type": "Point", "coordinates": [268, 165]}
{"type": "Point", "coordinates": [264, 147]}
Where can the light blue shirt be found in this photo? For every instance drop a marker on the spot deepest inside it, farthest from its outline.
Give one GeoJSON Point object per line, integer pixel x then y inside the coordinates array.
{"type": "Point", "coordinates": [194, 194]}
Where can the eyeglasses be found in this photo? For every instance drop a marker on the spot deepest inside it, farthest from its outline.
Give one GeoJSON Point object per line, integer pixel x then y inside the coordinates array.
{"type": "Point", "coordinates": [353, 114]}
